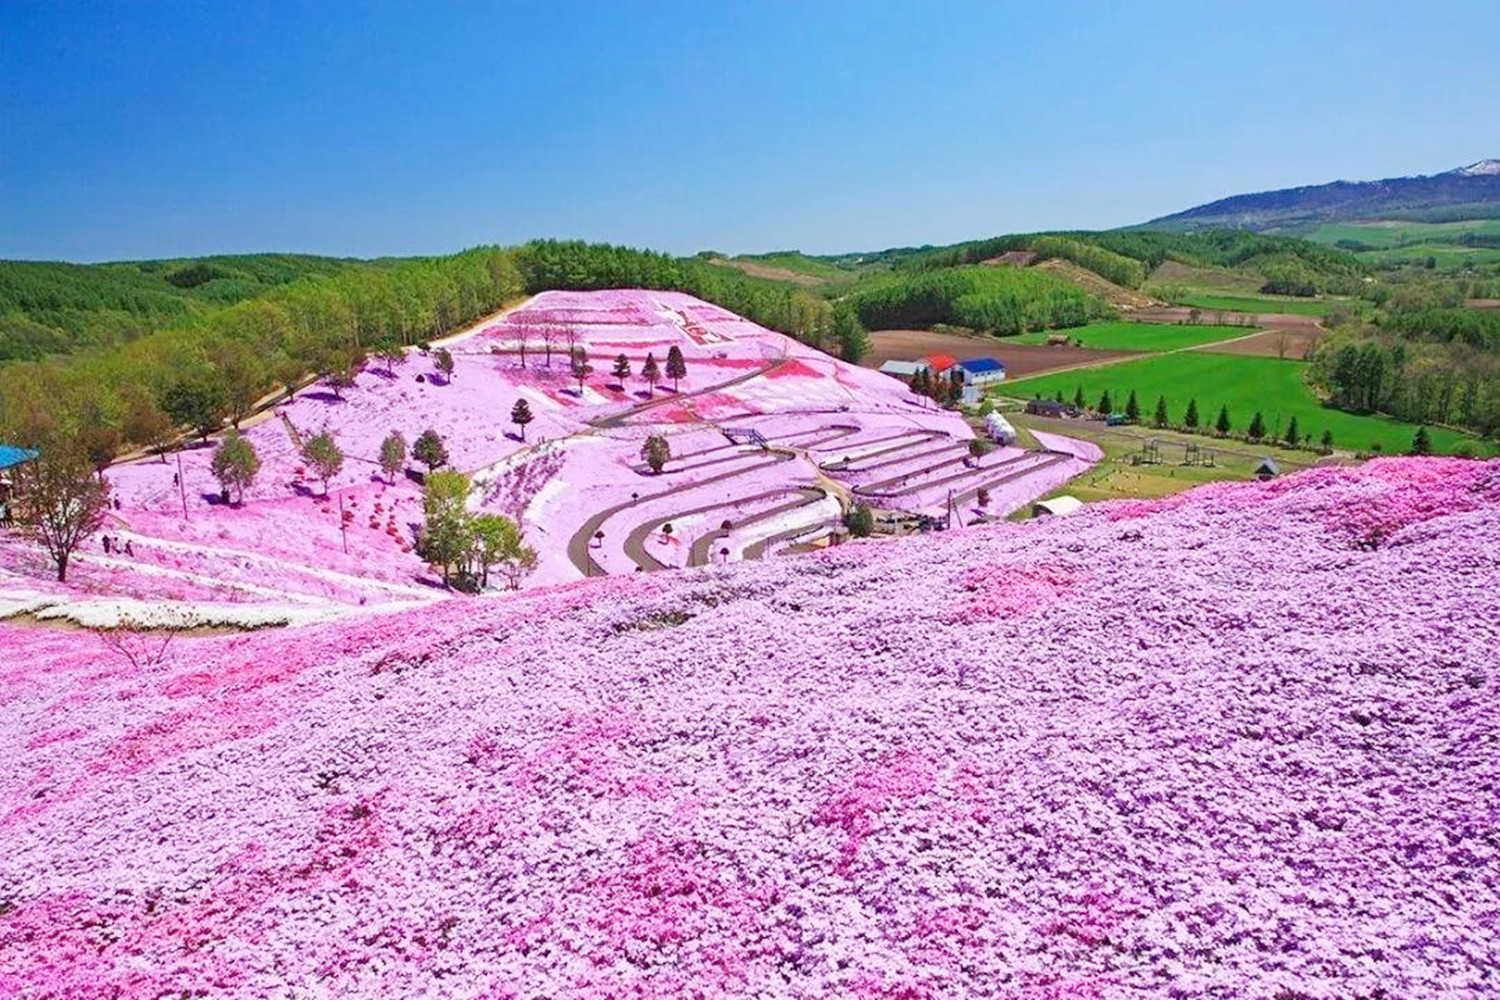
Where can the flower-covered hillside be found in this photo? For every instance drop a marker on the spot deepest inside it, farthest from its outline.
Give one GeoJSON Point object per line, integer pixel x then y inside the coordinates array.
{"type": "Point", "coordinates": [1238, 745]}
{"type": "Point", "coordinates": [748, 415]}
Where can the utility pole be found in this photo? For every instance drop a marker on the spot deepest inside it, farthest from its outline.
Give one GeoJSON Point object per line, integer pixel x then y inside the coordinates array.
{"type": "Point", "coordinates": [181, 487]}
{"type": "Point", "coordinates": [343, 525]}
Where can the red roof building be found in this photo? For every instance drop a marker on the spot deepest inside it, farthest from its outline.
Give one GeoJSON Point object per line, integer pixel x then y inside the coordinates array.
{"type": "Point", "coordinates": [938, 364]}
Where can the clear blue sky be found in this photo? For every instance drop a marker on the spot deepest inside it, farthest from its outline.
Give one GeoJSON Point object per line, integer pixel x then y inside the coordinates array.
{"type": "Point", "coordinates": [168, 129]}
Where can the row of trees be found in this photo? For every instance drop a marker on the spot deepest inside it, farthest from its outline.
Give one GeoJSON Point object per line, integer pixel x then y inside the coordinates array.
{"type": "Point", "coordinates": [651, 372]}
{"type": "Point", "coordinates": [944, 391]}
{"type": "Point", "coordinates": [1192, 420]}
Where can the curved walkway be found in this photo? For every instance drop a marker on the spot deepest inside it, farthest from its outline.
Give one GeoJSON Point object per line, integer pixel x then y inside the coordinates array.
{"type": "Point", "coordinates": [701, 552]}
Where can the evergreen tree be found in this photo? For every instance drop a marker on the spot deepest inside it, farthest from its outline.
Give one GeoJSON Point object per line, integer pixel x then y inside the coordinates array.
{"type": "Point", "coordinates": [1257, 427]}
{"type": "Point", "coordinates": [1160, 419]}
{"type": "Point", "coordinates": [235, 464]}
{"type": "Point", "coordinates": [1293, 432]}
{"type": "Point", "coordinates": [1421, 444]}
{"type": "Point", "coordinates": [656, 452]}
{"type": "Point", "coordinates": [1326, 440]}
{"type": "Point", "coordinates": [1106, 405]}
{"type": "Point", "coordinates": [860, 520]}
{"type": "Point", "coordinates": [1133, 408]}
{"type": "Point", "coordinates": [650, 372]}
{"type": "Point", "coordinates": [1190, 418]}
{"type": "Point", "coordinates": [392, 454]}
{"type": "Point", "coordinates": [520, 415]}
{"type": "Point", "coordinates": [849, 332]}
{"type": "Point", "coordinates": [622, 369]}
{"type": "Point", "coordinates": [676, 365]}
{"type": "Point", "coordinates": [1222, 425]}
{"type": "Point", "coordinates": [1058, 397]}
{"type": "Point", "coordinates": [1078, 398]}
{"type": "Point", "coordinates": [430, 450]}
{"type": "Point", "coordinates": [921, 382]}
{"type": "Point", "coordinates": [324, 455]}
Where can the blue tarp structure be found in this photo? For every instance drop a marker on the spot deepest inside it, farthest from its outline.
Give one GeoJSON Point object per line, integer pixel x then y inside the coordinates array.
{"type": "Point", "coordinates": [11, 456]}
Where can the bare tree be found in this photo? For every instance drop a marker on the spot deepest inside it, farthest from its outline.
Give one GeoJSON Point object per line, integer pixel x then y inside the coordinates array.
{"type": "Point", "coordinates": [135, 642]}
{"type": "Point", "coordinates": [550, 335]}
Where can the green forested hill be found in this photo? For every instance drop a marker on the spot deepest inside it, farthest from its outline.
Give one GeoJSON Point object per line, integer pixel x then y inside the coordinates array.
{"type": "Point", "coordinates": [57, 308]}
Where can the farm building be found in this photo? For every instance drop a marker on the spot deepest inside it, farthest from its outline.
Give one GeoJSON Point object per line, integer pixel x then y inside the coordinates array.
{"type": "Point", "coordinates": [901, 369]}
{"type": "Point", "coordinates": [938, 364]}
{"type": "Point", "coordinates": [10, 458]}
{"type": "Point", "coordinates": [1056, 507]}
{"type": "Point", "coordinates": [982, 371]}
{"type": "Point", "coordinates": [1267, 469]}
{"type": "Point", "coordinates": [1050, 408]}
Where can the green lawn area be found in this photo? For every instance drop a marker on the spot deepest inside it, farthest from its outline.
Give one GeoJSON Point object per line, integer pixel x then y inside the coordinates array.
{"type": "Point", "coordinates": [1395, 233]}
{"type": "Point", "coordinates": [801, 264]}
{"type": "Point", "coordinates": [1266, 304]}
{"type": "Point", "coordinates": [1118, 477]}
{"type": "Point", "coordinates": [1443, 255]}
{"type": "Point", "coordinates": [1136, 336]}
{"type": "Point", "coordinates": [1245, 384]}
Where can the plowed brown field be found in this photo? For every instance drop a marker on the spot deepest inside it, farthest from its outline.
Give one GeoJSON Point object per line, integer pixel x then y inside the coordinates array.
{"type": "Point", "coordinates": [1020, 360]}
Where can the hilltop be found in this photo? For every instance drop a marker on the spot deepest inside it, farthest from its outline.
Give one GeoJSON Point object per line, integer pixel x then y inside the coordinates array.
{"type": "Point", "coordinates": [1234, 743]}
{"type": "Point", "coordinates": [1471, 192]}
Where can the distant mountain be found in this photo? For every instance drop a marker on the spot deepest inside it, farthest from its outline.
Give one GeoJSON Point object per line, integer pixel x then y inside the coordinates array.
{"type": "Point", "coordinates": [1471, 192]}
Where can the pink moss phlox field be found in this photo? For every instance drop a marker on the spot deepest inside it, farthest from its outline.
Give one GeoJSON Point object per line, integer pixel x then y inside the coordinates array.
{"type": "Point", "coordinates": [1240, 747]}
{"type": "Point", "coordinates": [292, 544]}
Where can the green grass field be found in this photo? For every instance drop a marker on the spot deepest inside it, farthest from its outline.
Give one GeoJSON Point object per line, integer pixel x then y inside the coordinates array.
{"type": "Point", "coordinates": [1444, 256]}
{"type": "Point", "coordinates": [800, 264]}
{"type": "Point", "coordinates": [1258, 304]}
{"type": "Point", "coordinates": [1386, 235]}
{"type": "Point", "coordinates": [1136, 336]}
{"type": "Point", "coordinates": [1245, 384]}
{"type": "Point", "coordinates": [1117, 477]}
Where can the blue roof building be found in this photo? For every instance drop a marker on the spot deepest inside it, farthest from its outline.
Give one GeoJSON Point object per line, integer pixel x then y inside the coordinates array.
{"type": "Point", "coordinates": [981, 371]}
{"type": "Point", "coordinates": [10, 456]}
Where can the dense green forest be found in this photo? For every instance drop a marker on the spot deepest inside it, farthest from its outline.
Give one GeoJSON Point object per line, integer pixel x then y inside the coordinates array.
{"type": "Point", "coordinates": [1427, 365]}
{"type": "Point", "coordinates": [999, 300]}
{"type": "Point", "coordinates": [53, 308]}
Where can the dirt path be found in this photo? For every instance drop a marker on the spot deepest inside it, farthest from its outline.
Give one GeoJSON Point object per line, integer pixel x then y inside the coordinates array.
{"type": "Point", "coordinates": [881, 490]}
{"type": "Point", "coordinates": [578, 545]}
{"type": "Point", "coordinates": [635, 542]}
